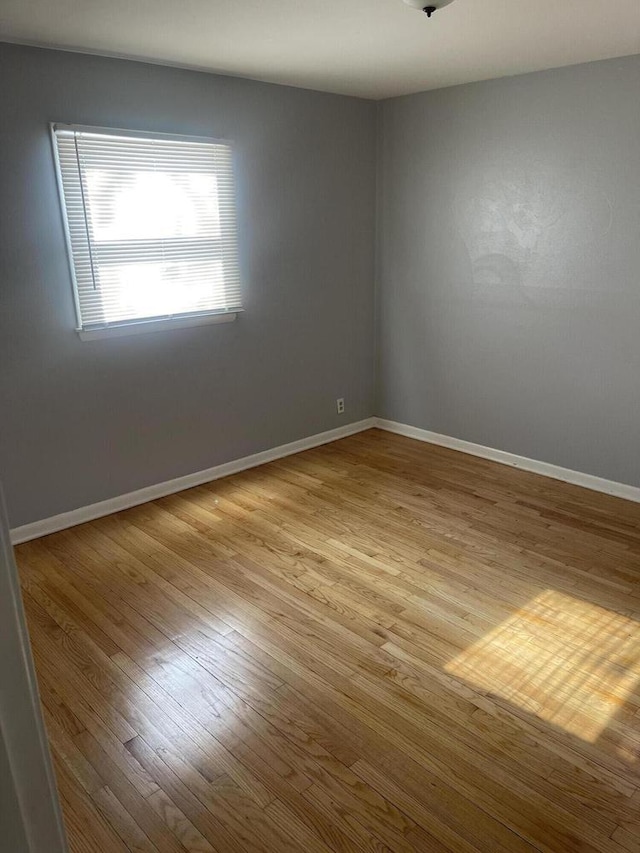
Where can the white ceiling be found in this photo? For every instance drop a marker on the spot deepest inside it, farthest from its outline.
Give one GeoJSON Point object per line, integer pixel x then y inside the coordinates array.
{"type": "Point", "coordinates": [371, 48]}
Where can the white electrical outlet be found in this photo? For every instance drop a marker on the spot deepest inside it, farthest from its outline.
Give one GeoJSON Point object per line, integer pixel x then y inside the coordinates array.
{"type": "Point", "coordinates": [340, 405]}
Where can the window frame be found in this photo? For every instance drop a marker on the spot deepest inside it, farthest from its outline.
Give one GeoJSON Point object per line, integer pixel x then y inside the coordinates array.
{"type": "Point", "coordinates": [143, 325]}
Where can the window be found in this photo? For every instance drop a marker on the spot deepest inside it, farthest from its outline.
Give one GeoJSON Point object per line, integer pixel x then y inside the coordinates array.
{"type": "Point", "coordinates": [151, 229]}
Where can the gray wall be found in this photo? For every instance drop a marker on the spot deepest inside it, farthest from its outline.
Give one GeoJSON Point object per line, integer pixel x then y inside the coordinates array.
{"type": "Point", "coordinates": [508, 304]}
{"type": "Point", "coordinates": [508, 276]}
{"type": "Point", "coordinates": [83, 422]}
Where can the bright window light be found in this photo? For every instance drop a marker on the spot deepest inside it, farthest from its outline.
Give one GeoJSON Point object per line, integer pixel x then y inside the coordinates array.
{"type": "Point", "coordinates": [151, 223]}
{"type": "Point", "coordinates": [565, 660]}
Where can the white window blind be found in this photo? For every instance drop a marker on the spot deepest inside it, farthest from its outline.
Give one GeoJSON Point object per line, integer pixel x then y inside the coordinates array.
{"type": "Point", "coordinates": [151, 224]}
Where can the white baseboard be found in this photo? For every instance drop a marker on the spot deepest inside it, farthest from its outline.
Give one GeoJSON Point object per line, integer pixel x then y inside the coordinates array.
{"type": "Point", "coordinates": [588, 481]}
{"type": "Point", "coordinates": [170, 487]}
{"type": "Point", "coordinates": [150, 493]}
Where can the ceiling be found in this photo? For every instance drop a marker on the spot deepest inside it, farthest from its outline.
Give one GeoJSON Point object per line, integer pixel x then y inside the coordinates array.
{"type": "Point", "coordinates": [370, 48]}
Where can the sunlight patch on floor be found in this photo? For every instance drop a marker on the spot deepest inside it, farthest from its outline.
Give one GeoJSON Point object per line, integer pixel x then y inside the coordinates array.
{"type": "Point", "coordinates": [567, 661]}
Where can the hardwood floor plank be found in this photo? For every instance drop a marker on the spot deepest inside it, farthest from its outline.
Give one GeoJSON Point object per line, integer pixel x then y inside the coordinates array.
{"type": "Point", "coordinates": [87, 830]}
{"type": "Point", "coordinates": [119, 818]}
{"type": "Point", "coordinates": [247, 825]}
{"type": "Point", "coordinates": [180, 825]}
{"type": "Point", "coordinates": [375, 645]}
{"type": "Point", "coordinates": [131, 799]}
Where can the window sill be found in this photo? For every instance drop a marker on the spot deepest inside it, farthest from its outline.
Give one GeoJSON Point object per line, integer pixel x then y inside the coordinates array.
{"type": "Point", "coordinates": [146, 327]}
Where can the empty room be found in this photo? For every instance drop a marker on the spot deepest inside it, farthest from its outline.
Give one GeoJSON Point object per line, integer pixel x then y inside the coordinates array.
{"type": "Point", "coordinates": [320, 431]}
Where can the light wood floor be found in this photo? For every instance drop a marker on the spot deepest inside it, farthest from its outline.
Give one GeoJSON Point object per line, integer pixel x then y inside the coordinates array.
{"type": "Point", "coordinates": [374, 645]}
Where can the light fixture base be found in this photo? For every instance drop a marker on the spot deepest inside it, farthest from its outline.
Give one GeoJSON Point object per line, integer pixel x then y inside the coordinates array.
{"type": "Point", "coordinates": [428, 6]}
